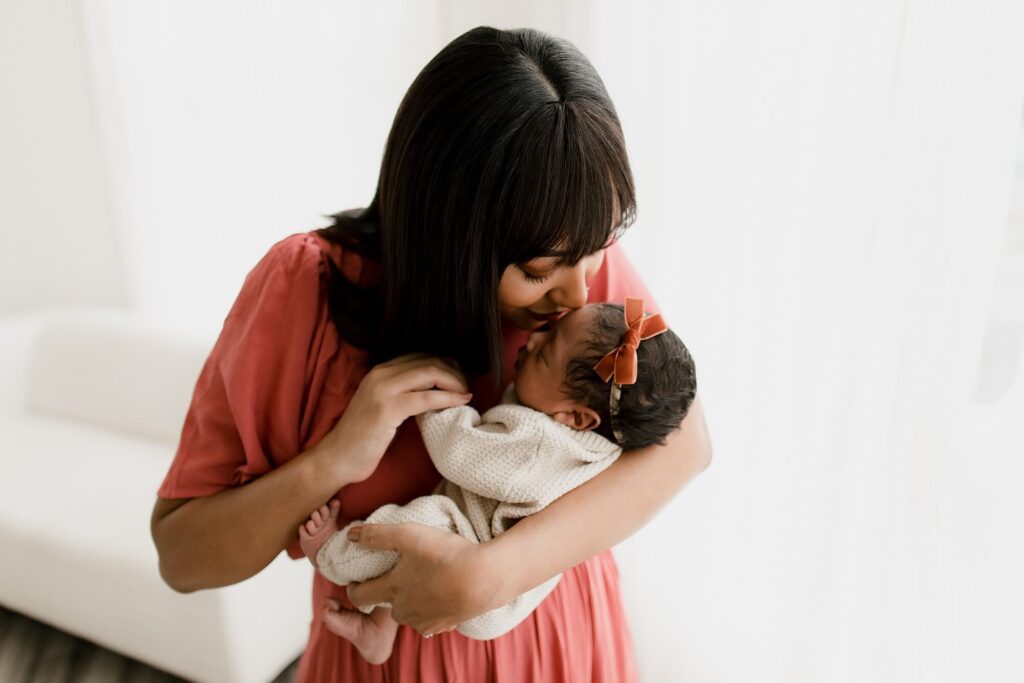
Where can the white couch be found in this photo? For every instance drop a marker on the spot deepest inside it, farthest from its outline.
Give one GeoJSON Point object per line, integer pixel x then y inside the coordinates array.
{"type": "Point", "coordinates": [91, 407]}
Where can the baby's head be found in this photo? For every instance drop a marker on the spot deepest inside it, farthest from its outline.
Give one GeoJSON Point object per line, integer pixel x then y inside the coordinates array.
{"type": "Point", "coordinates": [555, 374]}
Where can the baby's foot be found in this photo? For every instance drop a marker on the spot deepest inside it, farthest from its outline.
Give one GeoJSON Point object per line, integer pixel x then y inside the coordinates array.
{"type": "Point", "coordinates": [318, 528]}
{"type": "Point", "coordinates": [373, 634]}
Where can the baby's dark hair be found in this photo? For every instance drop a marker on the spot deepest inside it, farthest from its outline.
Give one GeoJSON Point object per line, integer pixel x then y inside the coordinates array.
{"type": "Point", "coordinates": [656, 404]}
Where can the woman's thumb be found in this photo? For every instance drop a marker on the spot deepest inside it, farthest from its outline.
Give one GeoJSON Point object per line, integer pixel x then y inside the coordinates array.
{"type": "Point", "coordinates": [376, 536]}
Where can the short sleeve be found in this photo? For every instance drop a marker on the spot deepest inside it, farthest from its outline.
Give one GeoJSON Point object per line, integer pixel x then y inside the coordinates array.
{"type": "Point", "coordinates": [617, 279]}
{"type": "Point", "coordinates": [246, 409]}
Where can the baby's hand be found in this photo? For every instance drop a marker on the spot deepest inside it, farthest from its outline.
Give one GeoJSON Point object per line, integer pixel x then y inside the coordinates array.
{"type": "Point", "coordinates": [318, 528]}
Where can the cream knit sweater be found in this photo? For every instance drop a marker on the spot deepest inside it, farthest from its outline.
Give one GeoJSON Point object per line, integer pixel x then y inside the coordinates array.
{"type": "Point", "coordinates": [499, 467]}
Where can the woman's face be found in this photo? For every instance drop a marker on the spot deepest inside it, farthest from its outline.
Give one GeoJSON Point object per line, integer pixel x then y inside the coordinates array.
{"type": "Point", "coordinates": [538, 291]}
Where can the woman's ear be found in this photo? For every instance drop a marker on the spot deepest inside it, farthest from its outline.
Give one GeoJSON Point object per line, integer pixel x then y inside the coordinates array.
{"type": "Point", "coordinates": [580, 417]}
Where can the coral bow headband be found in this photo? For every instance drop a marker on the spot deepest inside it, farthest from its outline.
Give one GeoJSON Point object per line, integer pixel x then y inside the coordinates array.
{"type": "Point", "coordinates": [620, 362]}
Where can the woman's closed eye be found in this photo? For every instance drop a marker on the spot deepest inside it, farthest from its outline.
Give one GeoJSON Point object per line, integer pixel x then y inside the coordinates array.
{"type": "Point", "coordinates": [535, 277]}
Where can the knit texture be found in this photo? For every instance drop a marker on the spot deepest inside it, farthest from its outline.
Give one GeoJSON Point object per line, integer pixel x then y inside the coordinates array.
{"type": "Point", "coordinates": [499, 467]}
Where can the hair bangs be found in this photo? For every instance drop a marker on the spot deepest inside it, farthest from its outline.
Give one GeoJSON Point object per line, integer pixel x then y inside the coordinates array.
{"type": "Point", "coordinates": [505, 148]}
{"type": "Point", "coordinates": [569, 191]}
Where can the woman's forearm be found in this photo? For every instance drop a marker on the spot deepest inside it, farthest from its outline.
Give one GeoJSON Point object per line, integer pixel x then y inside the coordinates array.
{"type": "Point", "coordinates": [227, 537]}
{"type": "Point", "coordinates": [603, 511]}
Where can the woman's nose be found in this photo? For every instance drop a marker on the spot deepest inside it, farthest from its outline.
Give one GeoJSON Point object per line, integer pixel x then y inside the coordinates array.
{"type": "Point", "coordinates": [573, 291]}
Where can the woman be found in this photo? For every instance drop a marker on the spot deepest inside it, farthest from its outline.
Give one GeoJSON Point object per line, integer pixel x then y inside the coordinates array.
{"type": "Point", "coordinates": [503, 186]}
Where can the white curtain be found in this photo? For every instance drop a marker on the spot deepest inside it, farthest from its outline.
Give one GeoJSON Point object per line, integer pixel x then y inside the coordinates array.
{"type": "Point", "coordinates": [823, 191]}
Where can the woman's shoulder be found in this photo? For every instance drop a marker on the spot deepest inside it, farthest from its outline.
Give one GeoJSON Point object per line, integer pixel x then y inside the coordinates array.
{"type": "Point", "coordinates": [301, 254]}
{"type": "Point", "coordinates": [296, 254]}
{"type": "Point", "coordinates": [285, 294]}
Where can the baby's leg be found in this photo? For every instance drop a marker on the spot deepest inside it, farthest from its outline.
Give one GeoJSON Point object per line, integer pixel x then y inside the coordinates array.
{"type": "Point", "coordinates": [373, 634]}
{"type": "Point", "coordinates": [320, 526]}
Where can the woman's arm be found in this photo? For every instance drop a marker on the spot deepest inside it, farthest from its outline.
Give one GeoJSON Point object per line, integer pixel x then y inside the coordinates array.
{"type": "Point", "coordinates": [601, 512]}
{"type": "Point", "coordinates": [227, 537]}
{"type": "Point", "coordinates": [441, 579]}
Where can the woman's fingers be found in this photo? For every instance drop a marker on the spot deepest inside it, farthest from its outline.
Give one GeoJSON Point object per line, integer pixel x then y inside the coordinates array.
{"type": "Point", "coordinates": [370, 592]}
{"type": "Point", "coordinates": [385, 536]}
{"type": "Point", "coordinates": [427, 587]}
{"type": "Point", "coordinates": [399, 537]}
{"type": "Point", "coordinates": [428, 376]}
{"type": "Point", "coordinates": [446, 363]}
{"type": "Point", "coordinates": [401, 364]}
{"type": "Point", "coordinates": [416, 402]}
{"type": "Point", "coordinates": [398, 360]}
{"type": "Point", "coordinates": [418, 357]}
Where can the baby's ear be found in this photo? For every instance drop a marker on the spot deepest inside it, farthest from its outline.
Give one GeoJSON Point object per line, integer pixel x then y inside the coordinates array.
{"type": "Point", "coordinates": [580, 417]}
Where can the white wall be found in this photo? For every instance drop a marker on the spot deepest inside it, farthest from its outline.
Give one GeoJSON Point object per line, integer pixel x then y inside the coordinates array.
{"type": "Point", "coordinates": [153, 152]}
{"type": "Point", "coordinates": [57, 243]}
{"type": "Point", "coordinates": [230, 128]}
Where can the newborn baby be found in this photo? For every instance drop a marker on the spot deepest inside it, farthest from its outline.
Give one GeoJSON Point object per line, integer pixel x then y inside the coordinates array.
{"type": "Point", "coordinates": [586, 389]}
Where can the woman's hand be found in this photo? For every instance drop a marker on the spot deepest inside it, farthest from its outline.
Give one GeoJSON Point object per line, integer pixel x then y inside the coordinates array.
{"type": "Point", "coordinates": [389, 394]}
{"type": "Point", "coordinates": [440, 580]}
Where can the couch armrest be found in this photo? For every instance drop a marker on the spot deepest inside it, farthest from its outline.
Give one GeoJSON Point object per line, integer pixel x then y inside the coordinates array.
{"type": "Point", "coordinates": [17, 339]}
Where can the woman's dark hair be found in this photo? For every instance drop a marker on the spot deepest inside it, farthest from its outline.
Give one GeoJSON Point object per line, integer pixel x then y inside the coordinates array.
{"type": "Point", "coordinates": [654, 406]}
{"type": "Point", "coordinates": [505, 148]}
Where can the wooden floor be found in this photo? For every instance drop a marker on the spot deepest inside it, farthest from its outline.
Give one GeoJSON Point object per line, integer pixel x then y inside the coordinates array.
{"type": "Point", "coordinates": [33, 652]}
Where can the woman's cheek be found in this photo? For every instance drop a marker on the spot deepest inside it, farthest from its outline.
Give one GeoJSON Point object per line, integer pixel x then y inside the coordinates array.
{"type": "Point", "coordinates": [520, 295]}
{"type": "Point", "coordinates": [595, 264]}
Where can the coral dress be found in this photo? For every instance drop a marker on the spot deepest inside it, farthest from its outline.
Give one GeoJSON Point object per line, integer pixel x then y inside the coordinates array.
{"type": "Point", "coordinates": [277, 380]}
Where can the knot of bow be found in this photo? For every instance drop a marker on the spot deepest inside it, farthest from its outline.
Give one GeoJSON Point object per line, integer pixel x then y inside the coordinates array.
{"type": "Point", "coordinates": [620, 362]}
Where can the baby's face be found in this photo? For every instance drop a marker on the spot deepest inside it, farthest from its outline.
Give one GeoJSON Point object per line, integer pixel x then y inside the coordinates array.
{"type": "Point", "coordinates": [541, 363]}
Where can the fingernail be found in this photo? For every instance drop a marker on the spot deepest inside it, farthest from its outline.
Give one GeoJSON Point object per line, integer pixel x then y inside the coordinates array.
{"type": "Point", "coordinates": [467, 396]}
{"type": "Point", "coordinates": [353, 534]}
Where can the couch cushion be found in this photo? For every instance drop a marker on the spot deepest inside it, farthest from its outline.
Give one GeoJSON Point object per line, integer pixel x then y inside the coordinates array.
{"type": "Point", "coordinates": [112, 368]}
{"type": "Point", "coordinates": [75, 503]}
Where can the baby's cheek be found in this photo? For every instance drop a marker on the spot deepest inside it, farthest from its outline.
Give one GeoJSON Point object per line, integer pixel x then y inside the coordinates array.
{"type": "Point", "coordinates": [536, 388]}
